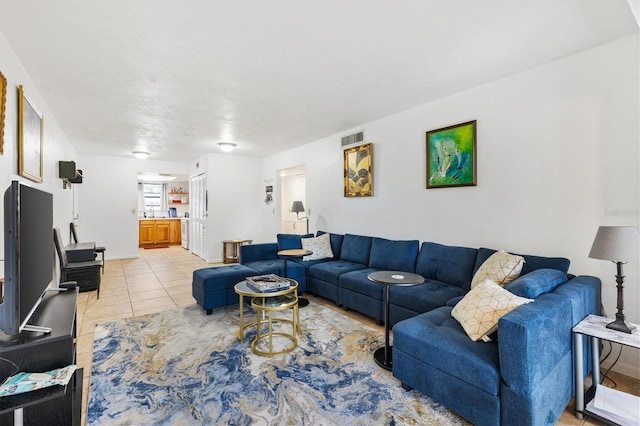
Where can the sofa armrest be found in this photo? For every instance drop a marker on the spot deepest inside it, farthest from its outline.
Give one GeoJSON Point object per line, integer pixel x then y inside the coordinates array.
{"type": "Point", "coordinates": [257, 252]}
{"type": "Point", "coordinates": [534, 344]}
{"type": "Point", "coordinates": [532, 338]}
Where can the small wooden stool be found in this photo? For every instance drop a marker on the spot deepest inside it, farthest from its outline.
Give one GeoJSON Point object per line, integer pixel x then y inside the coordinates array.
{"type": "Point", "coordinates": [230, 250]}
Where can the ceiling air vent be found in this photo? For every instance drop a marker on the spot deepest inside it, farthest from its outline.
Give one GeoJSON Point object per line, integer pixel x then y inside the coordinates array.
{"type": "Point", "coordinates": [351, 139]}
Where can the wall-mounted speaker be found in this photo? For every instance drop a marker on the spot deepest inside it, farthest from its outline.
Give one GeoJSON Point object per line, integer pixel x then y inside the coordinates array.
{"type": "Point", "coordinates": [67, 169]}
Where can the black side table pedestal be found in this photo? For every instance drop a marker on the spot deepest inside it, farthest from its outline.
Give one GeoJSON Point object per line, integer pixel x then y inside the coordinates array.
{"type": "Point", "coordinates": [286, 254]}
{"type": "Point", "coordinates": [384, 355]}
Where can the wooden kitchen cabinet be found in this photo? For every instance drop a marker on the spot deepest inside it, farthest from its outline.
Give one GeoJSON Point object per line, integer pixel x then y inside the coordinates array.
{"type": "Point", "coordinates": [175, 232]}
{"type": "Point", "coordinates": [154, 232]}
{"type": "Point", "coordinates": [147, 232]}
{"type": "Point", "coordinates": [162, 231]}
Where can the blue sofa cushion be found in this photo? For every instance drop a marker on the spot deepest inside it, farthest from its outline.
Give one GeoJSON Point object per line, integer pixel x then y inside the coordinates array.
{"type": "Point", "coordinates": [437, 336]}
{"type": "Point", "coordinates": [531, 263]}
{"type": "Point", "coordinates": [269, 266]}
{"type": "Point", "coordinates": [424, 297]}
{"type": "Point", "coordinates": [357, 281]}
{"type": "Point", "coordinates": [356, 249]}
{"type": "Point", "coordinates": [291, 241]}
{"type": "Point", "coordinates": [336, 243]}
{"type": "Point", "coordinates": [394, 255]}
{"type": "Point", "coordinates": [220, 278]}
{"type": "Point", "coordinates": [331, 271]}
{"type": "Point", "coordinates": [308, 263]}
{"type": "Point", "coordinates": [451, 264]}
{"type": "Point", "coordinates": [258, 252]}
{"type": "Point", "coordinates": [537, 282]}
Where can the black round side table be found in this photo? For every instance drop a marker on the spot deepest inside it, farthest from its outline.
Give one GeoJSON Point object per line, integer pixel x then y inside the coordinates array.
{"type": "Point", "coordinates": [293, 253]}
{"type": "Point", "coordinates": [383, 356]}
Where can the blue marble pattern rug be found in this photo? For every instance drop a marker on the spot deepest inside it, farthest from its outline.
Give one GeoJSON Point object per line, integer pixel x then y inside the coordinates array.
{"type": "Point", "coordinates": [186, 367]}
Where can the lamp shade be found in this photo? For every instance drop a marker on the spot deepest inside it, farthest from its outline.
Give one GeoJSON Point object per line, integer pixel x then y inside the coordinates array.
{"type": "Point", "coordinates": [297, 207]}
{"type": "Point", "coordinates": [616, 243]}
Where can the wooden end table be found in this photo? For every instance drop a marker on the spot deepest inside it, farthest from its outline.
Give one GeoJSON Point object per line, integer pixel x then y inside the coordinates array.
{"type": "Point", "coordinates": [230, 250]}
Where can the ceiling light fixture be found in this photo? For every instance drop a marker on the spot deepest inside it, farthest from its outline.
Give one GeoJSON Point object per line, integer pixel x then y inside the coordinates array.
{"type": "Point", "coordinates": [155, 177]}
{"type": "Point", "coordinates": [227, 146]}
{"type": "Point", "coordinates": [141, 155]}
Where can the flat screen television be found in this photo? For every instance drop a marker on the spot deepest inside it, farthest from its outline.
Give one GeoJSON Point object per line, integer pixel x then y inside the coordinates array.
{"type": "Point", "coordinates": [28, 253]}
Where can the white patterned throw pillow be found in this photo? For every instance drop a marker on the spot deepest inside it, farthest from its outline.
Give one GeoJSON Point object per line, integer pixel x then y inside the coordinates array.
{"type": "Point", "coordinates": [501, 268]}
{"type": "Point", "coordinates": [479, 311]}
{"type": "Point", "coordinates": [320, 246]}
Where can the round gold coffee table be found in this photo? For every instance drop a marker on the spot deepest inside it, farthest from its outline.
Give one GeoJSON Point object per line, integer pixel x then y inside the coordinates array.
{"type": "Point", "coordinates": [242, 289]}
{"type": "Point", "coordinates": [265, 307]}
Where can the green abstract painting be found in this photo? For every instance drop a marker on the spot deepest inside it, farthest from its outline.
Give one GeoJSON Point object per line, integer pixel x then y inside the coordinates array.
{"type": "Point", "coordinates": [451, 156]}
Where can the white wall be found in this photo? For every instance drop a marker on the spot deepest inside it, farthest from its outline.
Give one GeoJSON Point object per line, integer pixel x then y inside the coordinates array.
{"type": "Point", "coordinates": [56, 147]}
{"type": "Point", "coordinates": [235, 195]}
{"type": "Point", "coordinates": [558, 155]}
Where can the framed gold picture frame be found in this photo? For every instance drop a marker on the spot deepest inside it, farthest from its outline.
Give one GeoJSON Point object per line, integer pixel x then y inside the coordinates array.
{"type": "Point", "coordinates": [3, 107]}
{"type": "Point", "coordinates": [358, 171]}
{"type": "Point", "coordinates": [30, 137]}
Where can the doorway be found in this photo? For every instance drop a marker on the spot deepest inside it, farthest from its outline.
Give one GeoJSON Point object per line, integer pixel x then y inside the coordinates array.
{"type": "Point", "coordinates": [293, 187]}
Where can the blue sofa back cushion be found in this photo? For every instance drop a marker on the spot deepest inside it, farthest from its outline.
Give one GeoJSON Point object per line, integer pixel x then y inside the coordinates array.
{"type": "Point", "coordinates": [257, 252]}
{"type": "Point", "coordinates": [356, 248]}
{"type": "Point", "coordinates": [394, 255]}
{"type": "Point", "coordinates": [531, 262]}
{"type": "Point", "coordinates": [336, 243]}
{"type": "Point", "coordinates": [291, 241]}
{"type": "Point", "coordinates": [450, 264]}
{"type": "Point", "coordinates": [536, 283]}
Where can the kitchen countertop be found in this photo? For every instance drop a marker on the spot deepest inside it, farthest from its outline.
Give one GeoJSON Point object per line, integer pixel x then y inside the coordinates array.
{"type": "Point", "coordinates": [162, 218]}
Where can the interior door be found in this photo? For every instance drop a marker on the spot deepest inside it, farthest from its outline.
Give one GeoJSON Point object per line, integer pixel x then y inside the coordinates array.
{"type": "Point", "coordinates": [198, 216]}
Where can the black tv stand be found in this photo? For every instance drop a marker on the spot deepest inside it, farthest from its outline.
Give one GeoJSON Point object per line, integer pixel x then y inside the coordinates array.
{"type": "Point", "coordinates": [36, 353]}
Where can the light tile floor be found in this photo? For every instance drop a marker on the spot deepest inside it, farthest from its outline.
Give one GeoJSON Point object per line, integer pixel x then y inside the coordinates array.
{"type": "Point", "coordinates": [159, 280]}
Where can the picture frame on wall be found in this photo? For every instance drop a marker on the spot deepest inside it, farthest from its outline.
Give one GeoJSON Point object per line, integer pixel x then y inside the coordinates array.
{"type": "Point", "coordinates": [30, 138]}
{"type": "Point", "coordinates": [3, 107]}
{"type": "Point", "coordinates": [358, 171]}
{"type": "Point", "coordinates": [452, 156]}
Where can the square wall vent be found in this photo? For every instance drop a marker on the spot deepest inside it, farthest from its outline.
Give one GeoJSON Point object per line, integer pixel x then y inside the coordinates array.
{"type": "Point", "coordinates": [351, 139]}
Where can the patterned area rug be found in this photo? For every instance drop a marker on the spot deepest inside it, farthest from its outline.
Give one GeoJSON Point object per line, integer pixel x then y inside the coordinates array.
{"type": "Point", "coordinates": [184, 367]}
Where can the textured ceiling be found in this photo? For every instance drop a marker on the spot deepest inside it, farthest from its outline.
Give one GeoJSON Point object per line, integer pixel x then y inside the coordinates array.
{"type": "Point", "coordinates": [176, 77]}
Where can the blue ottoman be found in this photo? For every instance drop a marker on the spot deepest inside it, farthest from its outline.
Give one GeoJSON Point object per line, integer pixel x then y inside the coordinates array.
{"type": "Point", "coordinates": [213, 287]}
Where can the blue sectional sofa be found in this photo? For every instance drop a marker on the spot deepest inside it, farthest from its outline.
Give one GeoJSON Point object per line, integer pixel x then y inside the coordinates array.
{"type": "Point", "coordinates": [523, 377]}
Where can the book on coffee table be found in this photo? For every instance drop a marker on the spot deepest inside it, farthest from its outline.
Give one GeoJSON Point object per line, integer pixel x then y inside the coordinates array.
{"type": "Point", "coordinates": [268, 283]}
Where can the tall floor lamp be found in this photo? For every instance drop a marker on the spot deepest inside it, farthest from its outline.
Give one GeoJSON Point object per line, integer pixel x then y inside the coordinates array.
{"type": "Point", "coordinates": [618, 244]}
{"type": "Point", "coordinates": [298, 208]}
